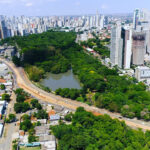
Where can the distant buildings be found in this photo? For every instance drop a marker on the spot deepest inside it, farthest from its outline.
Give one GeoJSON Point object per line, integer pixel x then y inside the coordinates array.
{"type": "Point", "coordinates": [136, 18]}
{"type": "Point", "coordinates": [11, 26]}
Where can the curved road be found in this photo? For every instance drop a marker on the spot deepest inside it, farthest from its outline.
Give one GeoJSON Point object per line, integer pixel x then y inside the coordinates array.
{"type": "Point", "coordinates": [23, 82]}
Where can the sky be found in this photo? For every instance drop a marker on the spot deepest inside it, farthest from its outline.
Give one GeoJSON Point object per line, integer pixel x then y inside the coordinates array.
{"type": "Point", "coordinates": [69, 7]}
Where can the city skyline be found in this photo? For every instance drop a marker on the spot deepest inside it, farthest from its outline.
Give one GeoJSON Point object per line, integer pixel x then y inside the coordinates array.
{"type": "Point", "coordinates": [67, 7]}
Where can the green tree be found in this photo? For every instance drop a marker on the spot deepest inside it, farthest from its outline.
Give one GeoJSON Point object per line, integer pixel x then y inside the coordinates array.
{"type": "Point", "coordinates": [36, 104]}
{"type": "Point", "coordinates": [20, 98]}
{"type": "Point", "coordinates": [18, 107]}
{"type": "Point", "coordinates": [21, 107]}
{"type": "Point", "coordinates": [26, 125]}
{"type": "Point", "coordinates": [12, 117]}
{"type": "Point", "coordinates": [42, 114]}
{"type": "Point", "coordinates": [16, 61]}
{"type": "Point", "coordinates": [25, 117]}
{"type": "Point", "coordinates": [6, 97]}
{"type": "Point", "coordinates": [32, 138]}
{"type": "Point", "coordinates": [19, 91]}
{"type": "Point", "coordinates": [68, 117]}
{"type": "Point", "coordinates": [2, 87]}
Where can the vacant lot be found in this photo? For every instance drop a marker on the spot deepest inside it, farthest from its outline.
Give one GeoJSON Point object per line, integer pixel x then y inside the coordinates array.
{"type": "Point", "coordinates": [29, 148]}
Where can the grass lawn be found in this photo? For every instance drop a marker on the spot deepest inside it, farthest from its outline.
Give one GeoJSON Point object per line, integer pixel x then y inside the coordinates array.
{"type": "Point", "coordinates": [29, 148]}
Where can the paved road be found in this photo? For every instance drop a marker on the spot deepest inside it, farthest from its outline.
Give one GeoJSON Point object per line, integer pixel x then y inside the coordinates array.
{"type": "Point", "coordinates": [23, 82]}
{"type": "Point", "coordinates": [5, 142]}
{"type": "Point", "coordinates": [9, 129]}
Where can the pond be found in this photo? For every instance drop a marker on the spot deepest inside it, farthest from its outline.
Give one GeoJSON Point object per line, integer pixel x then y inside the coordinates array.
{"type": "Point", "coordinates": [62, 80]}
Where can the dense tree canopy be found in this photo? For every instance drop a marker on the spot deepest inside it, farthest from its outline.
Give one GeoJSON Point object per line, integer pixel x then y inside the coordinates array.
{"type": "Point", "coordinates": [21, 105]}
{"type": "Point", "coordinates": [6, 97]}
{"type": "Point", "coordinates": [57, 52]}
{"type": "Point", "coordinates": [11, 118]}
{"type": "Point", "coordinates": [41, 114]}
{"type": "Point", "coordinates": [89, 132]}
{"type": "Point", "coordinates": [36, 104]}
{"type": "Point", "coordinates": [68, 93]}
{"type": "Point", "coordinates": [2, 87]}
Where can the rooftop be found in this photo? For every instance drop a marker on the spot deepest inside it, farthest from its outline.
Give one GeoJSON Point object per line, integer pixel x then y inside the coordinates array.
{"type": "Point", "coordinates": [47, 138]}
{"type": "Point", "coordinates": [2, 80]}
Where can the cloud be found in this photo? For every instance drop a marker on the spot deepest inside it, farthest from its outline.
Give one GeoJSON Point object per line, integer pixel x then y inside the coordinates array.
{"type": "Point", "coordinates": [29, 4]}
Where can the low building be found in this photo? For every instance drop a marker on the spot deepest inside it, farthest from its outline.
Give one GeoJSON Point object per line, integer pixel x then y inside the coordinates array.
{"type": "Point", "coordinates": [42, 130]}
{"type": "Point", "coordinates": [9, 52]}
{"type": "Point", "coordinates": [54, 117]}
{"type": "Point", "coordinates": [42, 121]}
{"type": "Point", "coordinates": [2, 49]}
{"type": "Point", "coordinates": [23, 139]}
{"type": "Point", "coordinates": [46, 138]}
{"type": "Point", "coordinates": [142, 73]}
{"type": "Point", "coordinates": [51, 112]}
{"type": "Point", "coordinates": [48, 142]}
{"type": "Point", "coordinates": [8, 84]}
{"type": "Point", "coordinates": [3, 70]}
{"type": "Point", "coordinates": [2, 81]}
{"type": "Point", "coordinates": [54, 123]}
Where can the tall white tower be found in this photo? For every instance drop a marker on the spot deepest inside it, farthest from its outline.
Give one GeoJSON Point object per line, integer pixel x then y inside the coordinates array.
{"type": "Point", "coordinates": [97, 19]}
{"type": "Point", "coordinates": [116, 50]}
{"type": "Point", "coordinates": [102, 22]}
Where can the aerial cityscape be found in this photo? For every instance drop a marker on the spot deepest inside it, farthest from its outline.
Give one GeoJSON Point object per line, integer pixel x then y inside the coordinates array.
{"type": "Point", "coordinates": [74, 75]}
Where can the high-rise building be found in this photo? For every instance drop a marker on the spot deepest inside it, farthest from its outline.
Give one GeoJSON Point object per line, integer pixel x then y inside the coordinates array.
{"type": "Point", "coordinates": [127, 46]}
{"type": "Point", "coordinates": [138, 47]}
{"type": "Point", "coordinates": [102, 22]}
{"type": "Point", "coordinates": [3, 30]}
{"type": "Point", "coordinates": [121, 46]}
{"type": "Point", "coordinates": [144, 15]}
{"type": "Point", "coordinates": [148, 41]}
{"type": "Point", "coordinates": [131, 44]}
{"type": "Point", "coordinates": [116, 50]}
{"type": "Point", "coordinates": [106, 20]}
{"type": "Point", "coordinates": [136, 18]}
{"type": "Point", "coordinates": [97, 19]}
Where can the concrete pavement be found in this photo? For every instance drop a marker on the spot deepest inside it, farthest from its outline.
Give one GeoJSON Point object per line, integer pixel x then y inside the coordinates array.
{"type": "Point", "coordinates": [5, 141]}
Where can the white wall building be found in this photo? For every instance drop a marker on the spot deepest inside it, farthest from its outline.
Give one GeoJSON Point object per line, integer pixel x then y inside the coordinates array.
{"type": "Point", "coordinates": [116, 50]}
{"type": "Point", "coordinates": [142, 73]}
{"type": "Point", "coordinates": [128, 47]}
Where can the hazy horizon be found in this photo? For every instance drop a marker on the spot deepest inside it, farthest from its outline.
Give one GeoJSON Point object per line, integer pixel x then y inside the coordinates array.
{"type": "Point", "coordinates": [69, 7]}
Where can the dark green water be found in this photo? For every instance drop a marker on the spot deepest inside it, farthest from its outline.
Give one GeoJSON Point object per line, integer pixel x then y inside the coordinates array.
{"type": "Point", "coordinates": [62, 80]}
